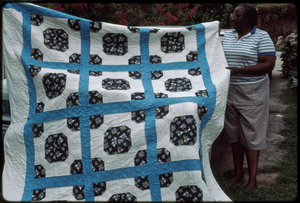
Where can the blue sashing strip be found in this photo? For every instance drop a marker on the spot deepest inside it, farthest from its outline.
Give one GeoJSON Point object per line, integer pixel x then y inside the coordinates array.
{"type": "Point", "coordinates": [150, 127]}
{"type": "Point", "coordinates": [211, 88]}
{"type": "Point", "coordinates": [152, 169]}
{"type": "Point", "coordinates": [83, 102]}
{"type": "Point", "coordinates": [122, 173]}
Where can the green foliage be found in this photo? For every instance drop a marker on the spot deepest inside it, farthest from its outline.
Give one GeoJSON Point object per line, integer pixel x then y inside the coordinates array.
{"type": "Point", "coordinates": [181, 14]}
{"type": "Point", "coordinates": [215, 11]}
{"type": "Point", "coordinates": [288, 46]}
{"type": "Point", "coordinates": [272, 11]}
{"type": "Point", "coordinates": [278, 19]}
{"type": "Point", "coordinates": [147, 14]}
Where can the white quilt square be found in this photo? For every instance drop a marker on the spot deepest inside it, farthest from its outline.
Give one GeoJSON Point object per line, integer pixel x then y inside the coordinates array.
{"type": "Point", "coordinates": [123, 188]}
{"type": "Point", "coordinates": [115, 44]}
{"type": "Point", "coordinates": [171, 83]}
{"type": "Point", "coordinates": [187, 182]}
{"type": "Point", "coordinates": [56, 162]}
{"type": "Point", "coordinates": [61, 89]}
{"type": "Point", "coordinates": [178, 137]}
{"type": "Point", "coordinates": [116, 86]}
{"type": "Point", "coordinates": [117, 141]}
{"type": "Point", "coordinates": [51, 26]}
{"type": "Point", "coordinates": [172, 51]}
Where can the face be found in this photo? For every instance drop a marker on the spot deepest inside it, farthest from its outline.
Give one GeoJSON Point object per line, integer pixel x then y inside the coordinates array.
{"type": "Point", "coordinates": [239, 21]}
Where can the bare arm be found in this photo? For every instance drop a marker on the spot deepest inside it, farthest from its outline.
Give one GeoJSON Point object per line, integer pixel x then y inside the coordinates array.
{"type": "Point", "coordinates": [265, 64]}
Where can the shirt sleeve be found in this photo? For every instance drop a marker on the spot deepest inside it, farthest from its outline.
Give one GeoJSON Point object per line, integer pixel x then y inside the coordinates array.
{"type": "Point", "coordinates": [266, 45]}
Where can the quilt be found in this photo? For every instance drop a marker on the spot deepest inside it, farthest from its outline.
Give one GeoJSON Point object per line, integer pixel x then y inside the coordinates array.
{"type": "Point", "coordinates": [105, 112]}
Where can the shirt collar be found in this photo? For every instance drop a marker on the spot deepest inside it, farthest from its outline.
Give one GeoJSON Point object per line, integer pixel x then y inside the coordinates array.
{"type": "Point", "coordinates": [252, 31]}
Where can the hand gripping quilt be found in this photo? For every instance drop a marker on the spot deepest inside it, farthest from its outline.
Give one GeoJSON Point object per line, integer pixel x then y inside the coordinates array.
{"type": "Point", "coordinates": [104, 112]}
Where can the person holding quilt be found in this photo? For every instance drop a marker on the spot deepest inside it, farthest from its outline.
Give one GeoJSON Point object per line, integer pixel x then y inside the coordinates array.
{"type": "Point", "coordinates": [250, 55]}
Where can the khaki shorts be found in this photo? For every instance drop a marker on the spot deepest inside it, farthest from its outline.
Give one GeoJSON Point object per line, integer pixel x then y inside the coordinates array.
{"type": "Point", "coordinates": [247, 115]}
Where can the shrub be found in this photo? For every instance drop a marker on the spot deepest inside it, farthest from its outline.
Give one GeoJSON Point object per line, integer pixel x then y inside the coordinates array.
{"type": "Point", "coordinates": [149, 14]}
{"type": "Point", "coordinates": [132, 13]}
{"type": "Point", "coordinates": [288, 46]}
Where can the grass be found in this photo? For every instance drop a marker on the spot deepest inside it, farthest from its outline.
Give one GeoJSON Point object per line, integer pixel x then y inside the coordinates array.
{"type": "Point", "coordinates": [286, 188]}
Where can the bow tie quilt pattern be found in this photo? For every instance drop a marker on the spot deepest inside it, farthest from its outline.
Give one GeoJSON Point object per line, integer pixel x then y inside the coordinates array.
{"type": "Point", "coordinates": [104, 112]}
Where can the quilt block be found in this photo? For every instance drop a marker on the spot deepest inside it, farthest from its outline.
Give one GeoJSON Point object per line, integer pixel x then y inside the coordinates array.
{"type": "Point", "coordinates": [104, 112]}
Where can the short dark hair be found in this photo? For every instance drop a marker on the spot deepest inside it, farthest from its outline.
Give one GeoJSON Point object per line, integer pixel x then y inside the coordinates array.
{"type": "Point", "coordinates": [250, 13]}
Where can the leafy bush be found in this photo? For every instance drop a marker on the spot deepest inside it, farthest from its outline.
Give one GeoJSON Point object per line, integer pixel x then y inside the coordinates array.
{"type": "Point", "coordinates": [132, 13]}
{"type": "Point", "coordinates": [149, 14]}
{"type": "Point", "coordinates": [288, 46]}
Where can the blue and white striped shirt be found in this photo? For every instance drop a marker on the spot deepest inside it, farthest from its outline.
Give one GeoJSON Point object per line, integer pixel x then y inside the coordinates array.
{"type": "Point", "coordinates": [245, 52]}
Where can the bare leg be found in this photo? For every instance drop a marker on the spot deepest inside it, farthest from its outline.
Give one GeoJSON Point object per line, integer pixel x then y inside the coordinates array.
{"type": "Point", "coordinates": [252, 159]}
{"type": "Point", "coordinates": [238, 159]}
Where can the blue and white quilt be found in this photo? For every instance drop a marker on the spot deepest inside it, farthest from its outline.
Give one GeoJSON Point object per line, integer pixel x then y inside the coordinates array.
{"type": "Point", "coordinates": [104, 112]}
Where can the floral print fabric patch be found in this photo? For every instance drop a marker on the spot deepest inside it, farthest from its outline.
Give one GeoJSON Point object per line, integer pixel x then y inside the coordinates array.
{"type": "Point", "coordinates": [99, 188]}
{"type": "Point", "coordinates": [115, 84]}
{"type": "Point", "coordinates": [189, 193]}
{"type": "Point", "coordinates": [115, 44]}
{"type": "Point", "coordinates": [172, 42]}
{"type": "Point", "coordinates": [54, 84]}
{"type": "Point", "coordinates": [37, 129]}
{"type": "Point", "coordinates": [39, 171]}
{"type": "Point", "coordinates": [39, 107]}
{"type": "Point", "coordinates": [96, 121]}
{"type": "Point", "coordinates": [78, 192]}
{"type": "Point", "coordinates": [74, 24]}
{"type": "Point", "coordinates": [192, 56]}
{"type": "Point", "coordinates": [36, 54]}
{"type": "Point", "coordinates": [178, 84]}
{"type": "Point", "coordinates": [95, 59]}
{"type": "Point", "coordinates": [36, 19]}
{"type": "Point", "coordinates": [56, 148]}
{"type": "Point", "coordinates": [38, 194]}
{"type": "Point", "coordinates": [75, 58]}
{"type": "Point", "coordinates": [98, 164]}
{"type": "Point", "coordinates": [34, 70]}
{"type": "Point", "coordinates": [117, 140]}
{"type": "Point", "coordinates": [76, 167]}
{"type": "Point", "coordinates": [95, 26]}
{"type": "Point", "coordinates": [183, 130]}
{"type": "Point", "coordinates": [56, 39]}
{"type": "Point", "coordinates": [123, 197]}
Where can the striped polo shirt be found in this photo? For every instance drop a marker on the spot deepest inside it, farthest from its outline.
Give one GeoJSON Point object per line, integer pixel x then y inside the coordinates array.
{"type": "Point", "coordinates": [245, 52]}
